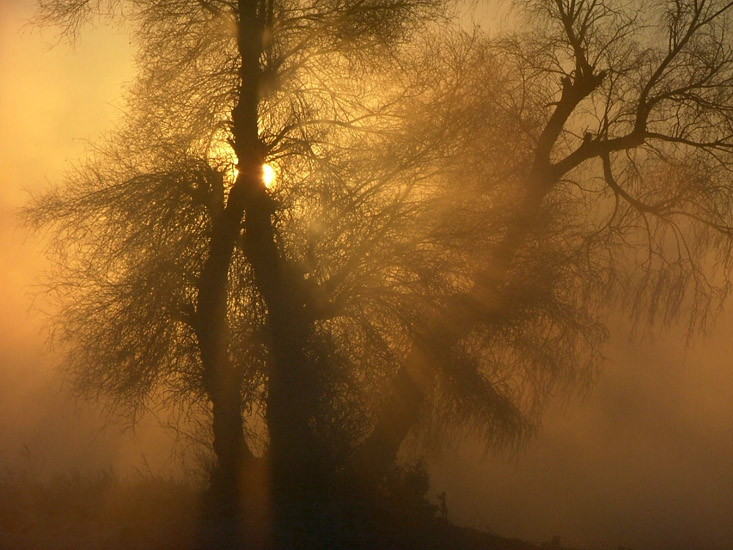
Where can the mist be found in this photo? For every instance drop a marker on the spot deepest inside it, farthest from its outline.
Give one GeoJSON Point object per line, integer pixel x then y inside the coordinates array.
{"type": "Point", "coordinates": [54, 99]}
{"type": "Point", "coordinates": [642, 462]}
{"type": "Point", "coordinates": [642, 459]}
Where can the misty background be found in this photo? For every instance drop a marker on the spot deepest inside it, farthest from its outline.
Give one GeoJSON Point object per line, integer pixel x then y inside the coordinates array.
{"type": "Point", "coordinates": [645, 460]}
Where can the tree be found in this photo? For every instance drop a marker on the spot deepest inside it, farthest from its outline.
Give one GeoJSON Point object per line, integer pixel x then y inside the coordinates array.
{"type": "Point", "coordinates": [627, 110]}
{"type": "Point", "coordinates": [451, 213]}
{"type": "Point", "coordinates": [188, 277]}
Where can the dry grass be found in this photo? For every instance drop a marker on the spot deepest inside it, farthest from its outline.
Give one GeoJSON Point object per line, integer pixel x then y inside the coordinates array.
{"type": "Point", "coordinates": [105, 511]}
{"type": "Point", "coordinates": [96, 511]}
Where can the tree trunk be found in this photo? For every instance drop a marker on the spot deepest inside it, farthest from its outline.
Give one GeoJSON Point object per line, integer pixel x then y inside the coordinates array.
{"type": "Point", "coordinates": [291, 385]}
{"type": "Point", "coordinates": [290, 376]}
{"type": "Point", "coordinates": [229, 446]}
{"type": "Point", "coordinates": [222, 380]}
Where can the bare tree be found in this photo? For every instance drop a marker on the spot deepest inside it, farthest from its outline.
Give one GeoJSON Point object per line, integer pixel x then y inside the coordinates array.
{"type": "Point", "coordinates": [183, 274]}
{"type": "Point", "coordinates": [627, 110]}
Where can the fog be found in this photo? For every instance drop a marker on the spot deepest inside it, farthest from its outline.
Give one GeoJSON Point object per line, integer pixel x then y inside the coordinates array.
{"type": "Point", "coordinates": [53, 100]}
{"type": "Point", "coordinates": [643, 460]}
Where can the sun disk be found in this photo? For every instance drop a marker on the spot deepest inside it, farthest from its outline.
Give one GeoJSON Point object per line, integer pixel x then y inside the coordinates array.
{"type": "Point", "coordinates": [268, 176]}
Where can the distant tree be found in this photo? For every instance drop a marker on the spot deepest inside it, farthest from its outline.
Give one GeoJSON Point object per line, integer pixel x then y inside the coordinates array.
{"type": "Point", "coordinates": [623, 195]}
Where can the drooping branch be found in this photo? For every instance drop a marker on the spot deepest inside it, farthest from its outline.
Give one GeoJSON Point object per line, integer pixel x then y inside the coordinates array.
{"type": "Point", "coordinates": [414, 379]}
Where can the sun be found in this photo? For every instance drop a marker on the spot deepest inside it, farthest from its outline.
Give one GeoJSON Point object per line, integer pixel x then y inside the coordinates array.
{"type": "Point", "coordinates": [268, 176]}
{"type": "Point", "coordinates": [223, 156]}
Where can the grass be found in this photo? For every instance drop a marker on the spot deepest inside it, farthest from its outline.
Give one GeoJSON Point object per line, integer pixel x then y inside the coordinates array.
{"type": "Point", "coordinates": [105, 511]}
{"type": "Point", "coordinates": [96, 511]}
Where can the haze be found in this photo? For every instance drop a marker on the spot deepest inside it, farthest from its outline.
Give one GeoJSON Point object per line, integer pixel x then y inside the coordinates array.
{"type": "Point", "coordinates": [645, 461]}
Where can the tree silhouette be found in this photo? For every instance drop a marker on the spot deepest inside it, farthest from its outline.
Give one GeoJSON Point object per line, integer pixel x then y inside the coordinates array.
{"type": "Point", "coordinates": [450, 215]}
{"type": "Point", "coordinates": [187, 276]}
{"type": "Point", "coordinates": [627, 111]}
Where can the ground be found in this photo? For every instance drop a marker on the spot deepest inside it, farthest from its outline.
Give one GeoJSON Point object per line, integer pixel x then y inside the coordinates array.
{"type": "Point", "coordinates": [105, 511]}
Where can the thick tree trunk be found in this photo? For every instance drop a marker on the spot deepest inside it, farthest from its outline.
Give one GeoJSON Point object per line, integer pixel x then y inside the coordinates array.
{"type": "Point", "coordinates": [291, 384]}
{"type": "Point", "coordinates": [222, 380]}
{"type": "Point", "coordinates": [296, 461]}
{"type": "Point", "coordinates": [290, 376]}
{"type": "Point", "coordinates": [229, 445]}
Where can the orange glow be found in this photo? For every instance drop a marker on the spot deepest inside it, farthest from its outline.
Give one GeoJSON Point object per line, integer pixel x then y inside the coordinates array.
{"type": "Point", "coordinates": [268, 176]}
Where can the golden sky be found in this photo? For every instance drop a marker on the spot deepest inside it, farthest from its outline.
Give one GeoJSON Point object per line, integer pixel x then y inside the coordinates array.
{"type": "Point", "coordinates": [51, 101]}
